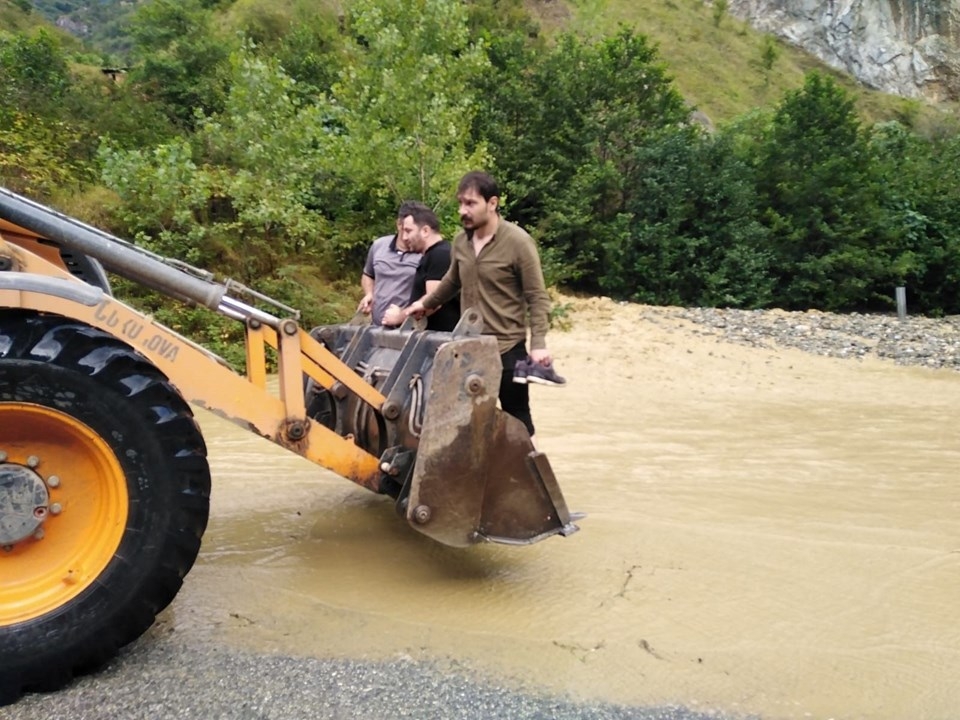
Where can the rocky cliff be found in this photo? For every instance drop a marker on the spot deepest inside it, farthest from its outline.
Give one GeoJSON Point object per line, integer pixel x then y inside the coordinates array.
{"type": "Point", "coordinates": [906, 47]}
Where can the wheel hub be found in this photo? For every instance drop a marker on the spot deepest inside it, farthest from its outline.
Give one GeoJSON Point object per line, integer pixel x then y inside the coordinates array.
{"type": "Point", "coordinates": [24, 503]}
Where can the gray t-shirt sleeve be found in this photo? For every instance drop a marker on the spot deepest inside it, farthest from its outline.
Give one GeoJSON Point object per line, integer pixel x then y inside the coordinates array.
{"type": "Point", "coordinates": [368, 265]}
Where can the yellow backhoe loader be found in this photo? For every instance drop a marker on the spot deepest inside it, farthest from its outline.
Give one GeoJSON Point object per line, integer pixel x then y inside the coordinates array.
{"type": "Point", "coordinates": [104, 481]}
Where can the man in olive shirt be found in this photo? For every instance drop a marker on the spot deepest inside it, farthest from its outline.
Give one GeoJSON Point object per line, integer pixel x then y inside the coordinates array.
{"type": "Point", "coordinates": [496, 269]}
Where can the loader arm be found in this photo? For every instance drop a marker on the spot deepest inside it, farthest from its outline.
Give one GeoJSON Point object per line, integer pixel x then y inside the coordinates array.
{"type": "Point", "coordinates": [201, 377]}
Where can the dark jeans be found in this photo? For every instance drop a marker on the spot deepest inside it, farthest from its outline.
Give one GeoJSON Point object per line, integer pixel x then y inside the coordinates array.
{"type": "Point", "coordinates": [514, 397]}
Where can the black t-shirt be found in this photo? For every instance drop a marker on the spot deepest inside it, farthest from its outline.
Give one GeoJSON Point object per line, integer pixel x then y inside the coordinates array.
{"type": "Point", "coordinates": [433, 266]}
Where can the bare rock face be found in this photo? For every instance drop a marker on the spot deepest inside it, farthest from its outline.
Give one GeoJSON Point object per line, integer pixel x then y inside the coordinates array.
{"type": "Point", "coordinates": [906, 47]}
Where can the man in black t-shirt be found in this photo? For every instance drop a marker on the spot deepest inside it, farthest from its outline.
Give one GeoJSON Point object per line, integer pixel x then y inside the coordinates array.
{"type": "Point", "coordinates": [420, 230]}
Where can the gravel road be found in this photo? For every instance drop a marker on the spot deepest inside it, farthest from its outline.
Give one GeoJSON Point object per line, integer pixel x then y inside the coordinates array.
{"type": "Point", "coordinates": [173, 677]}
{"type": "Point", "coordinates": [916, 341]}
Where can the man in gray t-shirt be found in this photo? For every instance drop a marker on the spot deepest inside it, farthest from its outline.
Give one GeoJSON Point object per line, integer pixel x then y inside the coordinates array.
{"type": "Point", "coordinates": [388, 272]}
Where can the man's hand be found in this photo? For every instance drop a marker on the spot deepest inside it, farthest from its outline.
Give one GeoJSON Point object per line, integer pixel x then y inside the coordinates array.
{"type": "Point", "coordinates": [393, 316]}
{"type": "Point", "coordinates": [541, 356]}
{"type": "Point", "coordinates": [417, 310]}
{"type": "Point", "coordinates": [366, 304]}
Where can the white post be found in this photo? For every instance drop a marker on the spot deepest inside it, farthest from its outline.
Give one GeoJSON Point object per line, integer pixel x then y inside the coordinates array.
{"type": "Point", "coordinates": [902, 303]}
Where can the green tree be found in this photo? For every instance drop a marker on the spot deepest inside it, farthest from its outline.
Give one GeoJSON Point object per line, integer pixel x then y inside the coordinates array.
{"type": "Point", "coordinates": [33, 74]}
{"type": "Point", "coordinates": [693, 236]}
{"type": "Point", "coordinates": [235, 193]}
{"type": "Point", "coordinates": [44, 146]}
{"type": "Point", "coordinates": [823, 214]}
{"type": "Point", "coordinates": [232, 198]}
{"type": "Point", "coordinates": [179, 61]}
{"type": "Point", "coordinates": [311, 51]}
{"type": "Point", "coordinates": [565, 143]}
{"type": "Point", "coordinates": [769, 54]}
{"type": "Point", "coordinates": [278, 174]}
{"type": "Point", "coordinates": [921, 178]}
{"type": "Point", "coordinates": [41, 157]}
{"type": "Point", "coordinates": [405, 100]}
{"type": "Point", "coordinates": [491, 19]}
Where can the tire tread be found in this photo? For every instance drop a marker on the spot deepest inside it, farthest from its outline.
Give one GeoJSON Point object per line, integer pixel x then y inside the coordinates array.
{"type": "Point", "coordinates": [79, 348]}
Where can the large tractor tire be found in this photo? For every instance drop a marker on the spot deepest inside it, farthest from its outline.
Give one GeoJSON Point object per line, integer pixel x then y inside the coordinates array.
{"type": "Point", "coordinates": [104, 496]}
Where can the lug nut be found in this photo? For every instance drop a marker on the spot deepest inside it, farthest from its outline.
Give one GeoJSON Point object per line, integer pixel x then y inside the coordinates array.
{"type": "Point", "coordinates": [56, 509]}
{"type": "Point", "coordinates": [33, 461]}
{"type": "Point", "coordinates": [38, 535]}
{"type": "Point", "coordinates": [53, 481]}
{"type": "Point", "coordinates": [3, 455]}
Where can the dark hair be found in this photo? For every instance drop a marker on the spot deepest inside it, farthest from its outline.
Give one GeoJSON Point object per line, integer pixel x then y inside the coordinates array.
{"type": "Point", "coordinates": [480, 181]}
{"type": "Point", "coordinates": [422, 215]}
{"type": "Point", "coordinates": [407, 207]}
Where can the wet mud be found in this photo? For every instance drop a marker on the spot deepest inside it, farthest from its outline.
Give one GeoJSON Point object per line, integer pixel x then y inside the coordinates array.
{"type": "Point", "coordinates": [768, 532]}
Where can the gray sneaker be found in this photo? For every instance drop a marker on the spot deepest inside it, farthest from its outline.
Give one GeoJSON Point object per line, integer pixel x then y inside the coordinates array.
{"type": "Point", "coordinates": [520, 371]}
{"type": "Point", "coordinates": [542, 374]}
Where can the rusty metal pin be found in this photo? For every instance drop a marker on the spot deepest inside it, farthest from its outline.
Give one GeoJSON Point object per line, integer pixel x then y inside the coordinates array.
{"type": "Point", "coordinates": [391, 411]}
{"type": "Point", "coordinates": [296, 431]}
{"type": "Point", "coordinates": [475, 384]}
{"type": "Point", "coordinates": [421, 514]}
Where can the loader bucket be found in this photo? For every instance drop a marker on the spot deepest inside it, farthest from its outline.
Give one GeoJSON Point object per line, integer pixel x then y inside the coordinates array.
{"type": "Point", "coordinates": [461, 470]}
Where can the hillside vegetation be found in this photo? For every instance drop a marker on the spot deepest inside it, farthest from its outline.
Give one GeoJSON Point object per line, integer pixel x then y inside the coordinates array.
{"type": "Point", "coordinates": [721, 65]}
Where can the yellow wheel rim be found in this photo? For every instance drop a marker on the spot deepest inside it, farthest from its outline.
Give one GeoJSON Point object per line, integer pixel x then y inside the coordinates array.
{"type": "Point", "coordinates": [82, 534]}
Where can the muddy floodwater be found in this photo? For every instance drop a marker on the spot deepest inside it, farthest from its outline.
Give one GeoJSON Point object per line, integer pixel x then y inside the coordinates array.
{"type": "Point", "coordinates": [768, 532]}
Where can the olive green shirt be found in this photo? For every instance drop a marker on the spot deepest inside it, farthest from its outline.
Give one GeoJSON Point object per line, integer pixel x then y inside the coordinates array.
{"type": "Point", "coordinates": [504, 284]}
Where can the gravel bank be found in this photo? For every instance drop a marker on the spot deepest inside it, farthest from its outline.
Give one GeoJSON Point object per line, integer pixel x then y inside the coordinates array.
{"type": "Point", "coordinates": [927, 342]}
{"type": "Point", "coordinates": [168, 677]}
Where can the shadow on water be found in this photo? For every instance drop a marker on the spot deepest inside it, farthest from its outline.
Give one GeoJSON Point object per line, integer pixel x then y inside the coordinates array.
{"type": "Point", "coordinates": [361, 531]}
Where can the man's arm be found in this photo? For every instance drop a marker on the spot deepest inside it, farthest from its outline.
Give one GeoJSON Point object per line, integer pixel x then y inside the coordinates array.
{"type": "Point", "coordinates": [436, 265]}
{"type": "Point", "coordinates": [431, 286]}
{"type": "Point", "coordinates": [367, 282]}
{"type": "Point", "coordinates": [445, 290]}
{"type": "Point", "coordinates": [366, 302]}
{"type": "Point", "coordinates": [395, 314]}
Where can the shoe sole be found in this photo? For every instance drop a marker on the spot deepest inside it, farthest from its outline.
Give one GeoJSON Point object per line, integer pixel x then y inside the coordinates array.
{"type": "Point", "coordinates": [541, 381]}
{"type": "Point", "coordinates": [520, 380]}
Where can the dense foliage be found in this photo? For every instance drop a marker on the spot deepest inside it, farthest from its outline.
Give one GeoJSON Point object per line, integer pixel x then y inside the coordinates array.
{"type": "Point", "coordinates": [275, 151]}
